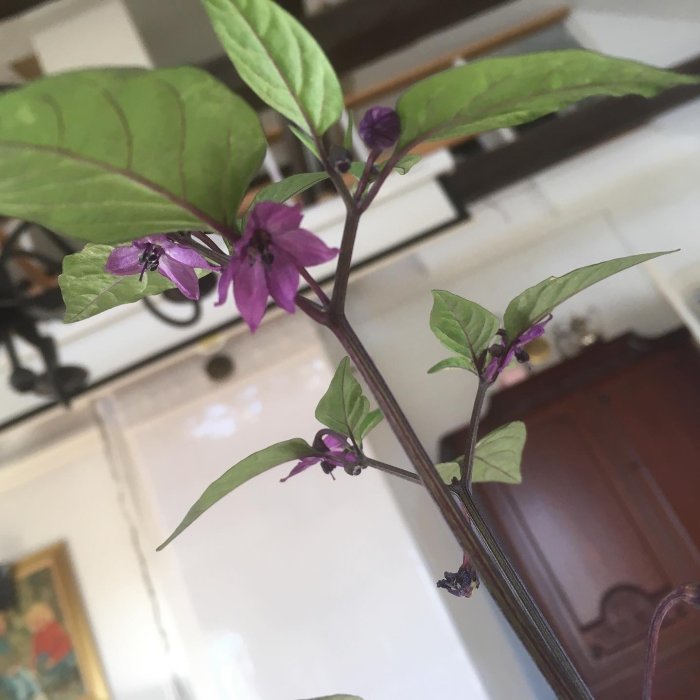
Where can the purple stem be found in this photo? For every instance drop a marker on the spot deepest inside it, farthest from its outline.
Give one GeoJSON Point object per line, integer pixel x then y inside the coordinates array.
{"type": "Point", "coordinates": [690, 594]}
{"type": "Point", "coordinates": [315, 286]}
{"type": "Point", "coordinates": [461, 514]}
{"type": "Point", "coordinates": [470, 447]}
{"type": "Point", "coordinates": [366, 175]}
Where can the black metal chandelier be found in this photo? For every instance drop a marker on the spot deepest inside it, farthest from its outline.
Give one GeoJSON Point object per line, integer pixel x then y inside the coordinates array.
{"type": "Point", "coordinates": [31, 259]}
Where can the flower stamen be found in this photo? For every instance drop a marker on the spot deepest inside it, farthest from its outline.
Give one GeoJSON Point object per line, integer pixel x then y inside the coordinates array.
{"type": "Point", "coordinates": [150, 258]}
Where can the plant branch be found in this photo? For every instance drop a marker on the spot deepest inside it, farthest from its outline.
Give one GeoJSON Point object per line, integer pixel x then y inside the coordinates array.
{"type": "Point", "coordinates": [690, 593]}
{"type": "Point", "coordinates": [366, 175]}
{"type": "Point", "coordinates": [390, 469]}
{"type": "Point", "coordinates": [384, 173]}
{"type": "Point", "coordinates": [315, 286]}
{"type": "Point", "coordinates": [493, 564]}
{"type": "Point", "coordinates": [342, 273]}
{"type": "Point", "coordinates": [469, 529]}
{"type": "Point", "coordinates": [470, 447]}
{"type": "Point", "coordinates": [311, 309]}
{"type": "Point", "coordinates": [335, 177]}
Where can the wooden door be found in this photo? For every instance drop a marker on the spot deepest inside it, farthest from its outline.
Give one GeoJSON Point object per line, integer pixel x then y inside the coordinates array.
{"type": "Point", "coordinates": [607, 519]}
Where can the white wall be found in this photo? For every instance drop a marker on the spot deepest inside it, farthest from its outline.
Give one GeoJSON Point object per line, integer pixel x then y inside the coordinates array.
{"type": "Point", "coordinates": [68, 492]}
{"type": "Point", "coordinates": [299, 589]}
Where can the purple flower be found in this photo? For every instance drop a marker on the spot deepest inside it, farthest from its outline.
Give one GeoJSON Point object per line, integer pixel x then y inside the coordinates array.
{"type": "Point", "coordinates": [159, 253]}
{"type": "Point", "coordinates": [268, 258]}
{"type": "Point", "coordinates": [503, 354]}
{"type": "Point", "coordinates": [334, 451]}
{"type": "Point", "coordinates": [463, 583]}
{"type": "Point", "coordinates": [380, 128]}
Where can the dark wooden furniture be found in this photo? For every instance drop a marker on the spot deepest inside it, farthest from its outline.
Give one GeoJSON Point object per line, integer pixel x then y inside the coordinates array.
{"type": "Point", "coordinates": [607, 519]}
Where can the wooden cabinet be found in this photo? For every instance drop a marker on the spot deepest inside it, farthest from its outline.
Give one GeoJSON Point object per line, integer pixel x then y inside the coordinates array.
{"type": "Point", "coordinates": [607, 519]}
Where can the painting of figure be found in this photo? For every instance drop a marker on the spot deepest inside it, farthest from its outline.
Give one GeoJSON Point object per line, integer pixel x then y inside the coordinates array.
{"type": "Point", "coordinates": [46, 649]}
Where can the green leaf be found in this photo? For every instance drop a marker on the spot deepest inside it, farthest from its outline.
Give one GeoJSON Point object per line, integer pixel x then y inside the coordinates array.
{"type": "Point", "coordinates": [356, 169]}
{"type": "Point", "coordinates": [289, 187]}
{"type": "Point", "coordinates": [501, 92]}
{"type": "Point", "coordinates": [306, 140]}
{"type": "Point", "coordinates": [497, 457]}
{"type": "Point", "coordinates": [279, 60]}
{"type": "Point", "coordinates": [449, 471]}
{"type": "Point", "coordinates": [369, 423]}
{"type": "Point", "coordinates": [88, 290]}
{"type": "Point", "coordinates": [239, 473]}
{"type": "Point", "coordinates": [460, 362]}
{"type": "Point", "coordinates": [461, 325]}
{"type": "Point", "coordinates": [537, 302]}
{"type": "Point", "coordinates": [112, 155]}
{"type": "Point", "coordinates": [406, 163]}
{"type": "Point", "coordinates": [344, 408]}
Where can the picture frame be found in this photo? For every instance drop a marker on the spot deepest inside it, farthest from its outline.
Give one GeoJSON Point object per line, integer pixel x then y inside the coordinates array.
{"type": "Point", "coordinates": [47, 651]}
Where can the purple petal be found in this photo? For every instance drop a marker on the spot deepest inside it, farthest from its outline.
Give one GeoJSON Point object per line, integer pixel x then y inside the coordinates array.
{"type": "Point", "coordinates": [226, 280]}
{"type": "Point", "coordinates": [274, 218]}
{"type": "Point", "coordinates": [187, 256]}
{"type": "Point", "coordinates": [283, 280]}
{"type": "Point", "coordinates": [124, 261]}
{"type": "Point", "coordinates": [301, 466]}
{"type": "Point", "coordinates": [531, 333]}
{"type": "Point", "coordinates": [156, 239]}
{"type": "Point", "coordinates": [250, 292]}
{"type": "Point", "coordinates": [182, 276]}
{"type": "Point", "coordinates": [335, 442]}
{"type": "Point", "coordinates": [305, 247]}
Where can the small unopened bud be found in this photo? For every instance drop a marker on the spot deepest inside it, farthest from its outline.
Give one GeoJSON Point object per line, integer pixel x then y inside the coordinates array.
{"type": "Point", "coordinates": [521, 355]}
{"type": "Point", "coordinates": [496, 350]}
{"type": "Point", "coordinates": [341, 158]}
{"type": "Point", "coordinates": [380, 128]}
{"type": "Point", "coordinates": [327, 467]}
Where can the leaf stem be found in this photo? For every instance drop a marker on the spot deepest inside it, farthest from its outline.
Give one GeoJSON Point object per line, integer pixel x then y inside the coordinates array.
{"type": "Point", "coordinates": [470, 447]}
{"type": "Point", "coordinates": [366, 175]}
{"type": "Point", "coordinates": [315, 286]}
{"type": "Point", "coordinates": [390, 469]}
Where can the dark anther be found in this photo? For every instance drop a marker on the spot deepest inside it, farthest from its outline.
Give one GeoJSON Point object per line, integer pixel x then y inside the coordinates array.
{"type": "Point", "coordinates": [150, 258]}
{"type": "Point", "coordinates": [341, 158]}
{"type": "Point", "coordinates": [521, 355]}
{"type": "Point", "coordinates": [462, 584]}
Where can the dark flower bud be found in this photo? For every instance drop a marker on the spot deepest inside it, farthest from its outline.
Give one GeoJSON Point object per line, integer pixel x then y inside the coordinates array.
{"type": "Point", "coordinates": [341, 158]}
{"type": "Point", "coordinates": [462, 584]}
{"type": "Point", "coordinates": [380, 128]}
{"type": "Point", "coordinates": [496, 350]}
{"type": "Point", "coordinates": [327, 466]}
{"type": "Point", "coordinates": [353, 469]}
{"type": "Point", "coordinates": [521, 355]}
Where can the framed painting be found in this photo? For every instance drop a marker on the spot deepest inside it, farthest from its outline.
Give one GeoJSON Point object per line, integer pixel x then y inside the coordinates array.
{"type": "Point", "coordinates": [46, 648]}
